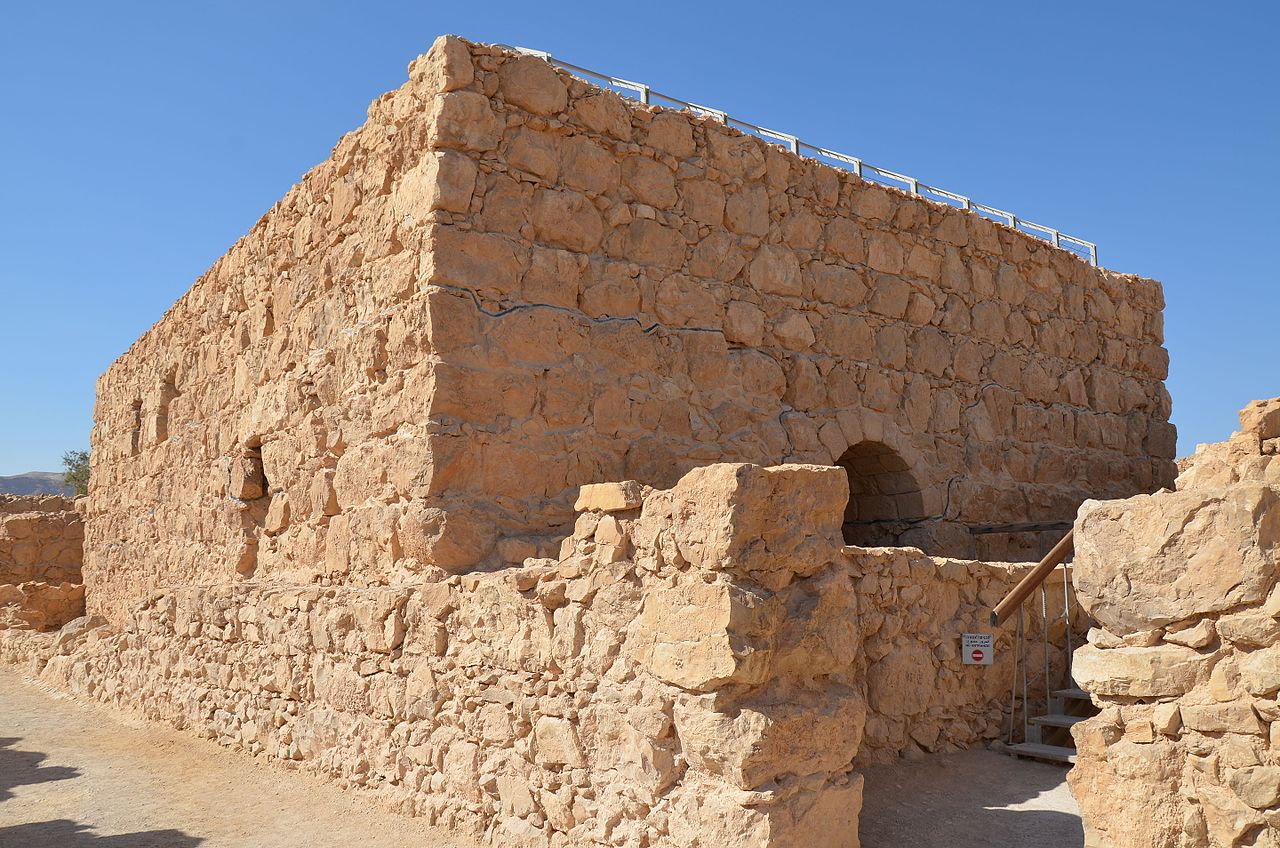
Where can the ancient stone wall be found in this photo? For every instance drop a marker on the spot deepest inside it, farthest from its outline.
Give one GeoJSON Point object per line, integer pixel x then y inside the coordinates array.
{"type": "Point", "coordinates": [1185, 658]}
{"type": "Point", "coordinates": [509, 283]}
{"type": "Point", "coordinates": [912, 609]}
{"type": "Point", "coordinates": [696, 667]}
{"type": "Point", "coordinates": [41, 548]}
{"type": "Point", "coordinates": [41, 538]}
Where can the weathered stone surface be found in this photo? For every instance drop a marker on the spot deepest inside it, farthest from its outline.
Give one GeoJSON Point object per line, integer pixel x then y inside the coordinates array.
{"type": "Point", "coordinates": [1155, 559]}
{"type": "Point", "coordinates": [610, 497]}
{"type": "Point", "coordinates": [745, 706]}
{"type": "Point", "coordinates": [1261, 418]}
{"type": "Point", "coordinates": [41, 549]}
{"type": "Point", "coordinates": [1260, 671]}
{"type": "Point", "coordinates": [1159, 671]}
{"type": "Point", "coordinates": [509, 284]}
{"type": "Point", "coordinates": [1191, 601]}
{"type": "Point", "coordinates": [533, 85]}
{"type": "Point", "coordinates": [1257, 786]}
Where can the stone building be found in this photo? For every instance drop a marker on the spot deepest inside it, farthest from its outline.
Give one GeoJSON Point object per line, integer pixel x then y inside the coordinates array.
{"type": "Point", "coordinates": [350, 506]}
{"type": "Point", "coordinates": [509, 283]}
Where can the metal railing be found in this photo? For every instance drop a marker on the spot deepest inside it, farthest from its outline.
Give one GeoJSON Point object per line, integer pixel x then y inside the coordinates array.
{"type": "Point", "coordinates": [646, 94]}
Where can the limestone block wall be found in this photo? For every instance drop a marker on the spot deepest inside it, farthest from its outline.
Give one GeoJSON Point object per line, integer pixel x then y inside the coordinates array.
{"type": "Point", "coordinates": [701, 666]}
{"type": "Point", "coordinates": [1185, 658]}
{"type": "Point", "coordinates": [509, 283]}
{"type": "Point", "coordinates": [41, 549]}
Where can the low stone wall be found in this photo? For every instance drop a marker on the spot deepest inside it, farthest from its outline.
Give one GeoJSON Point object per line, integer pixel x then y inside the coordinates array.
{"type": "Point", "coordinates": [696, 668]}
{"type": "Point", "coordinates": [1185, 660]}
{"type": "Point", "coordinates": [41, 538]}
{"type": "Point", "coordinates": [912, 610]}
{"type": "Point", "coordinates": [38, 605]}
{"type": "Point", "coordinates": [41, 549]}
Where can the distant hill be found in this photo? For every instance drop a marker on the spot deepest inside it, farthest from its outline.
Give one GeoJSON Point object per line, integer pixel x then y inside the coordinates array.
{"type": "Point", "coordinates": [34, 483]}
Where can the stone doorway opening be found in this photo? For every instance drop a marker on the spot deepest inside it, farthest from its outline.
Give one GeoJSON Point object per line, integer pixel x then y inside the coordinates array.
{"type": "Point", "coordinates": [884, 496]}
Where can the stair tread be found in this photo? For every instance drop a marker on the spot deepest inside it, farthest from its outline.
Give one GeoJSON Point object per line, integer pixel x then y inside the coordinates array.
{"type": "Point", "coordinates": [1043, 752]}
{"type": "Point", "coordinates": [1058, 720]}
{"type": "Point", "coordinates": [1076, 693]}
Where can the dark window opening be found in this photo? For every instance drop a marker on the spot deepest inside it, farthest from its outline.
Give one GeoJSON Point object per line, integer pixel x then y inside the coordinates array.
{"type": "Point", "coordinates": [884, 497]}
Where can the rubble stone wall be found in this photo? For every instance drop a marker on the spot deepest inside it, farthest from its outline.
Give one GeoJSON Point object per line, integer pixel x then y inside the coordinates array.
{"type": "Point", "coordinates": [41, 538]}
{"type": "Point", "coordinates": [1185, 657]}
{"type": "Point", "coordinates": [912, 610]}
{"type": "Point", "coordinates": [509, 283]}
{"type": "Point", "coordinates": [696, 667]}
{"type": "Point", "coordinates": [41, 548]}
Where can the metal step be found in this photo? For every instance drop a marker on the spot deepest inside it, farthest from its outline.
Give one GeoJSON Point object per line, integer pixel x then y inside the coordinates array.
{"type": "Point", "coordinates": [1057, 720]}
{"type": "Point", "coordinates": [1072, 694]}
{"type": "Point", "coordinates": [1037, 751]}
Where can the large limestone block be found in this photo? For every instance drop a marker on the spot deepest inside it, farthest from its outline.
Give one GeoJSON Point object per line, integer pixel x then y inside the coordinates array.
{"type": "Point", "coordinates": [766, 738]}
{"type": "Point", "coordinates": [1150, 560]}
{"type": "Point", "coordinates": [767, 523]}
{"type": "Point", "coordinates": [610, 497]}
{"type": "Point", "coordinates": [1262, 418]}
{"type": "Point", "coordinates": [701, 635]}
{"type": "Point", "coordinates": [1257, 786]}
{"type": "Point", "coordinates": [903, 682]}
{"type": "Point", "coordinates": [806, 813]}
{"type": "Point", "coordinates": [1260, 671]}
{"type": "Point", "coordinates": [1160, 671]}
{"type": "Point", "coordinates": [532, 84]}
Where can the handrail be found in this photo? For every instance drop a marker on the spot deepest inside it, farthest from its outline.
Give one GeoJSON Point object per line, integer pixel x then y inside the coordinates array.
{"type": "Point", "coordinates": [863, 169]}
{"type": "Point", "coordinates": [1013, 601]}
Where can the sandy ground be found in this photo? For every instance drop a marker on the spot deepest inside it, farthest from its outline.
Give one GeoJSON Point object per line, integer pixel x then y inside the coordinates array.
{"type": "Point", "coordinates": [977, 799]}
{"type": "Point", "coordinates": [79, 775]}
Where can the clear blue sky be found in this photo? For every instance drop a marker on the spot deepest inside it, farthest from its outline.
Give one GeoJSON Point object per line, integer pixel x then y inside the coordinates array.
{"type": "Point", "coordinates": [140, 140]}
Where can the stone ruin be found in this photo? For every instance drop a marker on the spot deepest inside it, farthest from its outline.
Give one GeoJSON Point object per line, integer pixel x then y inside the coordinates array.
{"type": "Point", "coordinates": [347, 509]}
{"type": "Point", "coordinates": [510, 283]}
{"type": "Point", "coordinates": [1185, 657]}
{"type": "Point", "coordinates": [707, 665]}
{"type": "Point", "coordinates": [41, 548]}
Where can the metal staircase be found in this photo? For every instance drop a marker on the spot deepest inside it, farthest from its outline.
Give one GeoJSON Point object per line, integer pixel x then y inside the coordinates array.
{"type": "Point", "coordinates": [1046, 736]}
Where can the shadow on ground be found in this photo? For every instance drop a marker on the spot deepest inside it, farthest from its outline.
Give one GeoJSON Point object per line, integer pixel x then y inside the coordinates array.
{"type": "Point", "coordinates": [971, 800]}
{"type": "Point", "coordinates": [21, 768]}
{"type": "Point", "coordinates": [62, 833]}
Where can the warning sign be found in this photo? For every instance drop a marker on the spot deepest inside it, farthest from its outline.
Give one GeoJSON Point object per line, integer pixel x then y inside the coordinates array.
{"type": "Point", "coordinates": [977, 648]}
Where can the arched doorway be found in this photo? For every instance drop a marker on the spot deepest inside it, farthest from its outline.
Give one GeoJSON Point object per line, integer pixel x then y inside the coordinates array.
{"type": "Point", "coordinates": [884, 496]}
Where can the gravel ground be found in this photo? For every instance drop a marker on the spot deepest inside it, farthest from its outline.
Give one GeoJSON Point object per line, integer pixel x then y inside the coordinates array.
{"type": "Point", "coordinates": [978, 799]}
{"type": "Point", "coordinates": [80, 775]}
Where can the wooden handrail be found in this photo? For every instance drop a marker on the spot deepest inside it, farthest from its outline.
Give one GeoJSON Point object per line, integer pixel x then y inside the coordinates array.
{"type": "Point", "coordinates": [1032, 581]}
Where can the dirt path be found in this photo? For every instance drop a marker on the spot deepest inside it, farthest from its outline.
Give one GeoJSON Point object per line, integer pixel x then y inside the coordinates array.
{"type": "Point", "coordinates": [77, 775]}
{"type": "Point", "coordinates": [977, 799]}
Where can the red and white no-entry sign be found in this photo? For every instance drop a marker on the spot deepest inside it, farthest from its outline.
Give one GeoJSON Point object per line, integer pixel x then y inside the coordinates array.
{"type": "Point", "coordinates": [977, 648]}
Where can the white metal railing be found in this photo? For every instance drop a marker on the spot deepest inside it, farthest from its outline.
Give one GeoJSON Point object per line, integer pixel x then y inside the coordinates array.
{"type": "Point", "coordinates": [645, 94]}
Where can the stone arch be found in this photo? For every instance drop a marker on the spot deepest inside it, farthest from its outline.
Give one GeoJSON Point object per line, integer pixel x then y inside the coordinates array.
{"type": "Point", "coordinates": [885, 497]}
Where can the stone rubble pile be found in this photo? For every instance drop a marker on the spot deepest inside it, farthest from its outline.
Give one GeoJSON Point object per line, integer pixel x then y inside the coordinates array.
{"type": "Point", "coordinates": [1185, 658]}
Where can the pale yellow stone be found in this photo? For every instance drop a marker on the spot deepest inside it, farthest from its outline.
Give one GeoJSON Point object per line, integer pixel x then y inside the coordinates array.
{"type": "Point", "coordinates": [610, 497]}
